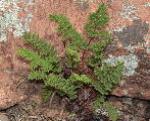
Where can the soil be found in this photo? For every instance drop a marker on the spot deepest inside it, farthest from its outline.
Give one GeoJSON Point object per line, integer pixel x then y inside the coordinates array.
{"type": "Point", "coordinates": [60, 109]}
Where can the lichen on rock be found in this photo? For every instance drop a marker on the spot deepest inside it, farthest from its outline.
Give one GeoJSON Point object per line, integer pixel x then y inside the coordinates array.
{"type": "Point", "coordinates": [129, 12]}
{"type": "Point", "coordinates": [130, 63]}
{"type": "Point", "coordinates": [147, 4]}
{"type": "Point", "coordinates": [10, 20]}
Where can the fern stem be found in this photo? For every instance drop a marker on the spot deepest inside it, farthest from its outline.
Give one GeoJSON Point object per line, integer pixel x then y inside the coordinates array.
{"type": "Point", "coordinates": [51, 99]}
{"type": "Point", "coordinates": [83, 55]}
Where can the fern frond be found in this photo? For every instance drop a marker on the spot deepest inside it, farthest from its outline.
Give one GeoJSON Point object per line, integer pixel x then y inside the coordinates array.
{"type": "Point", "coordinates": [107, 77]}
{"type": "Point", "coordinates": [98, 52]}
{"type": "Point", "coordinates": [59, 83]}
{"type": "Point", "coordinates": [97, 21]}
{"type": "Point", "coordinates": [72, 58]}
{"type": "Point", "coordinates": [68, 32]}
{"type": "Point", "coordinates": [40, 45]}
{"type": "Point", "coordinates": [37, 75]}
{"type": "Point", "coordinates": [83, 79]}
{"type": "Point", "coordinates": [46, 93]}
{"type": "Point", "coordinates": [72, 37]}
{"type": "Point", "coordinates": [37, 62]}
{"type": "Point", "coordinates": [95, 28]}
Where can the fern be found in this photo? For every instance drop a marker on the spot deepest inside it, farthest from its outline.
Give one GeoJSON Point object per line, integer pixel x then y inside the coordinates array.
{"type": "Point", "coordinates": [45, 54]}
{"type": "Point", "coordinates": [46, 66]}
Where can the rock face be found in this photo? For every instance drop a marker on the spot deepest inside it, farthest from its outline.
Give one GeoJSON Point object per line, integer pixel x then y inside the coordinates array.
{"type": "Point", "coordinates": [12, 15]}
{"type": "Point", "coordinates": [3, 117]}
{"type": "Point", "coordinates": [132, 109]}
{"type": "Point", "coordinates": [129, 23]}
{"type": "Point", "coordinates": [8, 94]}
{"type": "Point", "coordinates": [10, 78]}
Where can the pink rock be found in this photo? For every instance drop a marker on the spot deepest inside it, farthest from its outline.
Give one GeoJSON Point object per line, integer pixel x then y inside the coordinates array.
{"type": "Point", "coordinates": [10, 65]}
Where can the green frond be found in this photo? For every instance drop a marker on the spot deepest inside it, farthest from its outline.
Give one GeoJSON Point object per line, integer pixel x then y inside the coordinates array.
{"type": "Point", "coordinates": [37, 62]}
{"type": "Point", "coordinates": [72, 58]}
{"type": "Point", "coordinates": [68, 32]}
{"type": "Point", "coordinates": [83, 79]}
{"type": "Point", "coordinates": [37, 75]}
{"type": "Point", "coordinates": [107, 77]}
{"type": "Point", "coordinates": [97, 21]}
{"type": "Point", "coordinates": [98, 49]}
{"type": "Point", "coordinates": [59, 83]}
{"type": "Point", "coordinates": [46, 93]}
{"type": "Point", "coordinates": [95, 28]}
{"type": "Point", "coordinates": [75, 42]}
{"type": "Point", "coordinates": [40, 45]}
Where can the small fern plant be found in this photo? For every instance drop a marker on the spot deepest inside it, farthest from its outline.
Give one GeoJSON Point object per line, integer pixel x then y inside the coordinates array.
{"type": "Point", "coordinates": [63, 75]}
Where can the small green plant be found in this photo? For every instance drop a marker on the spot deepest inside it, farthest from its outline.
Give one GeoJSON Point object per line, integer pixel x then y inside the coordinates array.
{"type": "Point", "coordinates": [63, 75]}
{"type": "Point", "coordinates": [105, 108]}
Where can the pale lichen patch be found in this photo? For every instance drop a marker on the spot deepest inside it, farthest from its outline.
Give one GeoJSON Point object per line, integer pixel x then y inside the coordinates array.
{"type": "Point", "coordinates": [148, 50]}
{"type": "Point", "coordinates": [129, 12]}
{"type": "Point", "coordinates": [130, 63]}
{"type": "Point", "coordinates": [9, 20]}
{"type": "Point", "coordinates": [147, 4]}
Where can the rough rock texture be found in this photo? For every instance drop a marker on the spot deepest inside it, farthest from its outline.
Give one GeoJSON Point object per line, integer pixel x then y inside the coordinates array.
{"type": "Point", "coordinates": [137, 85]}
{"type": "Point", "coordinates": [3, 117]}
{"type": "Point", "coordinates": [130, 21]}
{"type": "Point", "coordinates": [10, 94]}
{"type": "Point", "coordinates": [14, 17]}
{"type": "Point", "coordinates": [132, 109]}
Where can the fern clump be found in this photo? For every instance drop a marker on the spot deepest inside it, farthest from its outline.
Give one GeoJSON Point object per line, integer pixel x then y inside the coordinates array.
{"type": "Point", "coordinates": [64, 75]}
